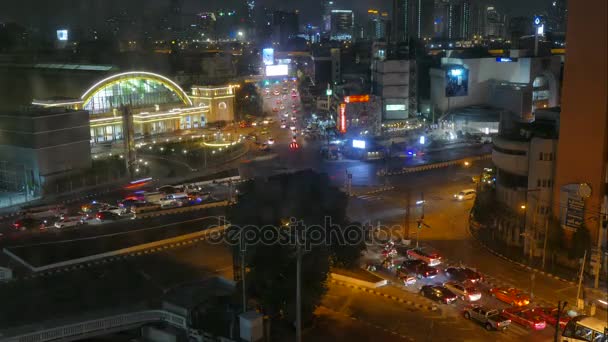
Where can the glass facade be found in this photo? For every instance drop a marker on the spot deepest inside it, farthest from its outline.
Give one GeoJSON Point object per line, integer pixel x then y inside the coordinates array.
{"type": "Point", "coordinates": [139, 92]}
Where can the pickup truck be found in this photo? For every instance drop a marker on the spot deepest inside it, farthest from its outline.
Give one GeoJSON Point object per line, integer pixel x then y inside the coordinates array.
{"type": "Point", "coordinates": [490, 318]}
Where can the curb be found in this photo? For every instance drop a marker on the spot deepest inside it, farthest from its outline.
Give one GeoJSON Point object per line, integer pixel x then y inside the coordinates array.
{"type": "Point", "coordinates": [371, 192]}
{"type": "Point", "coordinates": [387, 296]}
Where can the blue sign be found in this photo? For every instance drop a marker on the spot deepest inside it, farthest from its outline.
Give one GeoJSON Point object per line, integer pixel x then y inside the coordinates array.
{"type": "Point", "coordinates": [538, 20]}
{"type": "Point", "coordinates": [504, 59]}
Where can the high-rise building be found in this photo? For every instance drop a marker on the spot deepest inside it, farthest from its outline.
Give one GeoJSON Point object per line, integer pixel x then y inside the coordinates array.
{"type": "Point", "coordinates": [452, 19]}
{"type": "Point", "coordinates": [494, 23]}
{"type": "Point", "coordinates": [581, 173]}
{"type": "Point", "coordinates": [401, 21]}
{"type": "Point", "coordinates": [342, 24]}
{"type": "Point", "coordinates": [285, 25]}
{"type": "Point", "coordinates": [326, 7]}
{"type": "Point", "coordinates": [376, 24]}
{"type": "Point", "coordinates": [557, 15]}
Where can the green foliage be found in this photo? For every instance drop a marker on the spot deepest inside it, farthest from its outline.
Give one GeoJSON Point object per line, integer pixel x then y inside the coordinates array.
{"type": "Point", "coordinates": [555, 237]}
{"type": "Point", "coordinates": [581, 242]}
{"type": "Point", "coordinates": [268, 205]}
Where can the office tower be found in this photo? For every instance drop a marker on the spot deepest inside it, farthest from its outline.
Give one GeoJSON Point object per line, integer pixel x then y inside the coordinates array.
{"type": "Point", "coordinates": [342, 24]}
{"type": "Point", "coordinates": [494, 23]}
{"type": "Point", "coordinates": [401, 20]}
{"type": "Point", "coordinates": [557, 15]}
{"type": "Point", "coordinates": [285, 26]}
{"type": "Point", "coordinates": [580, 200]}
{"type": "Point", "coordinates": [376, 24]}
{"type": "Point", "coordinates": [326, 7]}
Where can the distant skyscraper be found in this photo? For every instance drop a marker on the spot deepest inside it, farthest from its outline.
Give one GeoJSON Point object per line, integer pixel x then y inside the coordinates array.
{"type": "Point", "coordinates": [401, 21]}
{"type": "Point", "coordinates": [495, 23]}
{"type": "Point", "coordinates": [557, 15]}
{"type": "Point", "coordinates": [342, 24]}
{"type": "Point", "coordinates": [326, 7]}
{"type": "Point", "coordinates": [285, 25]}
{"type": "Point", "coordinates": [376, 24]}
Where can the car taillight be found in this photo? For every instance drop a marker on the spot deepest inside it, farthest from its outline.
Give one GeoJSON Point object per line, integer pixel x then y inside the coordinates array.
{"type": "Point", "coordinates": [426, 274]}
{"type": "Point", "coordinates": [98, 216]}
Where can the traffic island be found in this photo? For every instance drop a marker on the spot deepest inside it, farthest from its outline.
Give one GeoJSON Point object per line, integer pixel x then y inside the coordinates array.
{"type": "Point", "coordinates": [358, 277]}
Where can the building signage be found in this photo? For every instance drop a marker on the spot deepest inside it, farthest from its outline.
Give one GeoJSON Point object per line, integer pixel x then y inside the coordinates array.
{"type": "Point", "coordinates": [359, 144]}
{"type": "Point", "coordinates": [394, 107]}
{"type": "Point", "coordinates": [356, 98]}
{"type": "Point", "coordinates": [268, 56]}
{"type": "Point", "coordinates": [62, 35]}
{"type": "Point", "coordinates": [457, 82]}
{"type": "Point", "coordinates": [342, 118]}
{"type": "Point", "coordinates": [277, 70]}
{"type": "Point", "coordinates": [572, 198]}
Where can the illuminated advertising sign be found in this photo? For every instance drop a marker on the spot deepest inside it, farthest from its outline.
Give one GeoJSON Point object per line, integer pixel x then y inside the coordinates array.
{"type": "Point", "coordinates": [356, 98]}
{"type": "Point", "coordinates": [277, 70]}
{"type": "Point", "coordinates": [328, 92]}
{"type": "Point", "coordinates": [394, 107]}
{"type": "Point", "coordinates": [505, 59]}
{"type": "Point", "coordinates": [457, 82]}
{"type": "Point", "coordinates": [342, 118]}
{"type": "Point", "coordinates": [359, 144]}
{"type": "Point", "coordinates": [268, 56]}
{"type": "Point", "coordinates": [62, 35]}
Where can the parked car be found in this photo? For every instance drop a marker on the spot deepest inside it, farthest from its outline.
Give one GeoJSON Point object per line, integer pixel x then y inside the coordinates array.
{"type": "Point", "coordinates": [491, 319]}
{"type": "Point", "coordinates": [466, 194]}
{"type": "Point", "coordinates": [463, 274]}
{"type": "Point", "coordinates": [432, 259]}
{"type": "Point", "coordinates": [29, 223]}
{"type": "Point", "coordinates": [465, 292]}
{"type": "Point", "coordinates": [525, 317]}
{"type": "Point", "coordinates": [549, 314]}
{"type": "Point", "coordinates": [438, 293]}
{"type": "Point", "coordinates": [510, 295]}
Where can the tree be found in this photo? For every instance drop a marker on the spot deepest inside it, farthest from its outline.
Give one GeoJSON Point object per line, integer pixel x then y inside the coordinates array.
{"type": "Point", "coordinates": [555, 238]}
{"type": "Point", "coordinates": [268, 206]}
{"type": "Point", "coordinates": [581, 242]}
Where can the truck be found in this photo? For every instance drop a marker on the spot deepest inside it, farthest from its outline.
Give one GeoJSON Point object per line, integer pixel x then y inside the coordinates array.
{"type": "Point", "coordinates": [491, 319]}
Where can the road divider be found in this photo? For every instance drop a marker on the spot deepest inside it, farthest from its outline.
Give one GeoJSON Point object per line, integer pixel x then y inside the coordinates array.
{"type": "Point", "coordinates": [439, 165]}
{"type": "Point", "coordinates": [180, 210]}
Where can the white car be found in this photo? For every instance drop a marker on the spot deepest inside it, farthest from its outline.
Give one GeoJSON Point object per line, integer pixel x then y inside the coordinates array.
{"type": "Point", "coordinates": [69, 221]}
{"type": "Point", "coordinates": [465, 195]}
{"type": "Point", "coordinates": [465, 292]}
{"type": "Point", "coordinates": [270, 141]}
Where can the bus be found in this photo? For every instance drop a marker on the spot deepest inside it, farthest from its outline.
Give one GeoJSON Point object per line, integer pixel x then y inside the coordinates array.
{"type": "Point", "coordinates": [585, 328]}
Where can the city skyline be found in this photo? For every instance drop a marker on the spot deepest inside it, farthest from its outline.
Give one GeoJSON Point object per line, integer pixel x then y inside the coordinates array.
{"type": "Point", "coordinates": [36, 11]}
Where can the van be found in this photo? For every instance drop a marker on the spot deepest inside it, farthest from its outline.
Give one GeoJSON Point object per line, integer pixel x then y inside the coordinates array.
{"type": "Point", "coordinates": [464, 195]}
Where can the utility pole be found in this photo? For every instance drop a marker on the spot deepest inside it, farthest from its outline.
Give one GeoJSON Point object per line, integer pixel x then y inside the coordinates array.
{"type": "Point", "coordinates": [406, 224]}
{"type": "Point", "coordinates": [545, 242]}
{"type": "Point", "coordinates": [298, 292]}
{"type": "Point", "coordinates": [580, 281]}
{"type": "Point", "coordinates": [560, 307]}
{"type": "Point", "coordinates": [243, 279]}
{"type": "Point", "coordinates": [421, 219]}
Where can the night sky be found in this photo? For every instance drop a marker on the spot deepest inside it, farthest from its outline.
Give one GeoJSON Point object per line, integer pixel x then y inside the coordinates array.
{"type": "Point", "coordinates": [61, 12]}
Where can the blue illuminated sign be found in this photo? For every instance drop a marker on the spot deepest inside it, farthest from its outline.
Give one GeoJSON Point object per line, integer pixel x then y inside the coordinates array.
{"type": "Point", "coordinates": [504, 59]}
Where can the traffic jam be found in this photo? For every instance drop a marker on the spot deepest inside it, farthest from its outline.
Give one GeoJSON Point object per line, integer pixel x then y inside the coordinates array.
{"type": "Point", "coordinates": [136, 201]}
{"type": "Point", "coordinates": [423, 271]}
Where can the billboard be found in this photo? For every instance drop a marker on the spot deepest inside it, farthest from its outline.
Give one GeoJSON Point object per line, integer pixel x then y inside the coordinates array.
{"type": "Point", "coordinates": [277, 70]}
{"type": "Point", "coordinates": [457, 81]}
{"type": "Point", "coordinates": [359, 144]}
{"type": "Point", "coordinates": [268, 56]}
{"type": "Point", "coordinates": [356, 98]}
{"type": "Point", "coordinates": [62, 35]}
{"type": "Point", "coordinates": [342, 118]}
{"type": "Point", "coordinates": [394, 107]}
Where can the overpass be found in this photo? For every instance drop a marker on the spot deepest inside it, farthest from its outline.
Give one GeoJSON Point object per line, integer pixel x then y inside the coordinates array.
{"type": "Point", "coordinates": [97, 327]}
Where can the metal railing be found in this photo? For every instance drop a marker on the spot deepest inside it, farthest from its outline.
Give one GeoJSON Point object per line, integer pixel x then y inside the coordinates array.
{"type": "Point", "coordinates": [100, 326]}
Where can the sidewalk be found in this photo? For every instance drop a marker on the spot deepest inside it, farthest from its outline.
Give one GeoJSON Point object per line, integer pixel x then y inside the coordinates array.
{"type": "Point", "coordinates": [516, 255]}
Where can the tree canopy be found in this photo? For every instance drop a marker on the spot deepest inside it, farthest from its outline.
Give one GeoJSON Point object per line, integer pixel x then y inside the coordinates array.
{"type": "Point", "coordinates": [276, 204]}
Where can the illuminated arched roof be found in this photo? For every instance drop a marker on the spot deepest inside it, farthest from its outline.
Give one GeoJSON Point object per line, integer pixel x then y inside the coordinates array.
{"type": "Point", "coordinates": [148, 77]}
